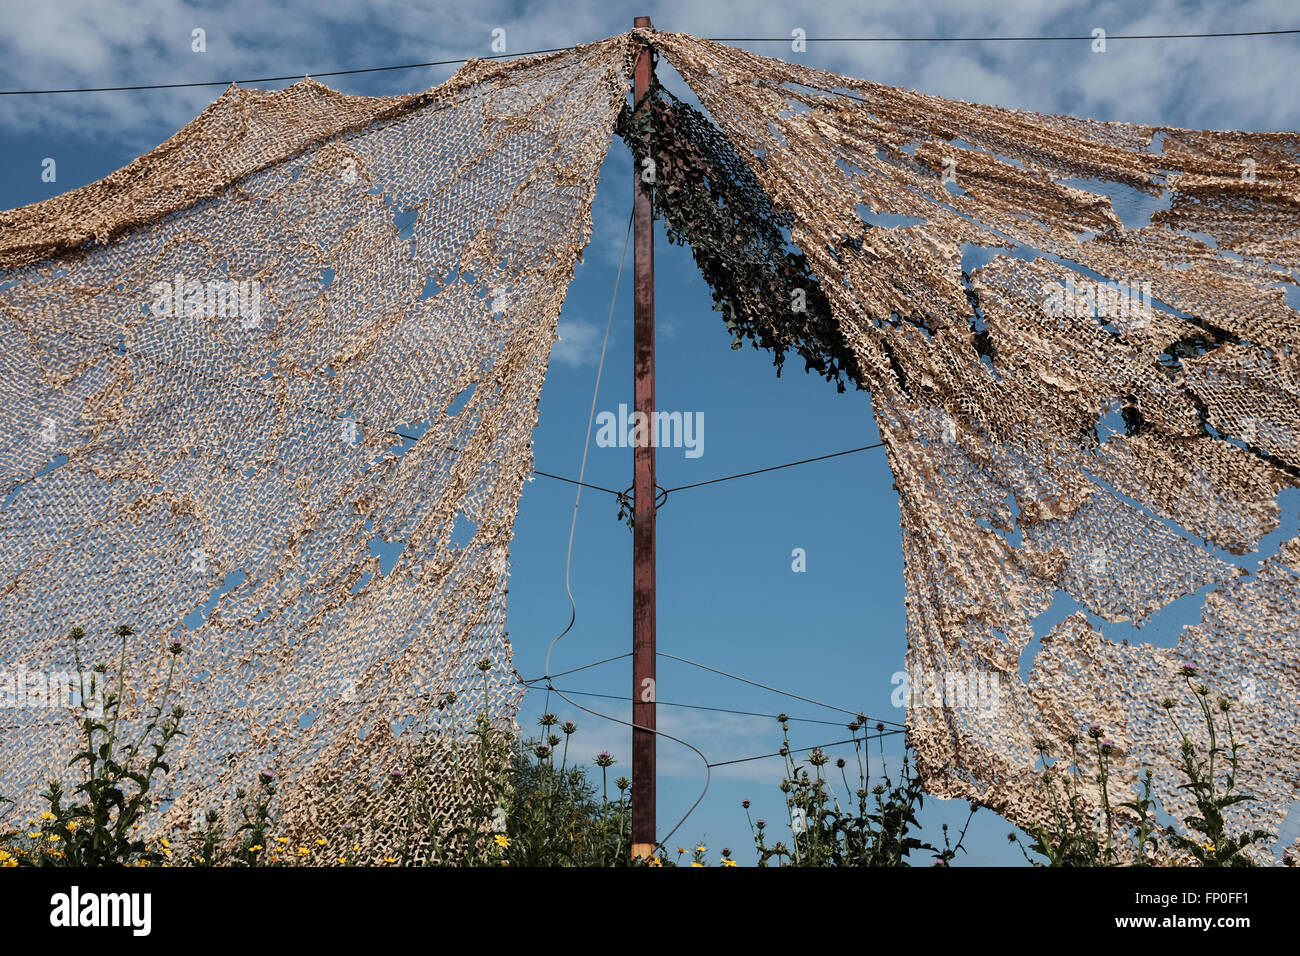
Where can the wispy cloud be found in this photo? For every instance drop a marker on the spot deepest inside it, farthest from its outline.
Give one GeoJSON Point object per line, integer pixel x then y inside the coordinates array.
{"type": "Point", "coordinates": [1237, 82]}
{"type": "Point", "coordinates": [579, 343]}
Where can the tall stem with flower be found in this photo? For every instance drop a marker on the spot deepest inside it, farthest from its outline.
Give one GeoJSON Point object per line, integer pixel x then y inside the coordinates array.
{"type": "Point", "coordinates": [102, 827]}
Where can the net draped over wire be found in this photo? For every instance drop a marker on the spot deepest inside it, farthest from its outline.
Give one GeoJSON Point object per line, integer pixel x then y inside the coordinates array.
{"type": "Point", "coordinates": [208, 362]}
{"type": "Point", "coordinates": [1052, 437]}
{"type": "Point", "coordinates": [412, 255]}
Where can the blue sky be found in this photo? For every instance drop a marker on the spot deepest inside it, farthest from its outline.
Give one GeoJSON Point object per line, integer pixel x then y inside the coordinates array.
{"type": "Point", "coordinates": [727, 594]}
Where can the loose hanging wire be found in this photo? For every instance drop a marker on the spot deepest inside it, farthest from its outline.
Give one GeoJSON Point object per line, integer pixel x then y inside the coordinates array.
{"type": "Point", "coordinates": [568, 560]}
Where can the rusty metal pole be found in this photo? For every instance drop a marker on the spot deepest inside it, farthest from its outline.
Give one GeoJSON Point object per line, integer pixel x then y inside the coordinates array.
{"type": "Point", "coordinates": [643, 522]}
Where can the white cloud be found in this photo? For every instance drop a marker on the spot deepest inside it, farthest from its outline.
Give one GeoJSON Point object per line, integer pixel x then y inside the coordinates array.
{"type": "Point", "coordinates": [1239, 83]}
{"type": "Point", "coordinates": [579, 343]}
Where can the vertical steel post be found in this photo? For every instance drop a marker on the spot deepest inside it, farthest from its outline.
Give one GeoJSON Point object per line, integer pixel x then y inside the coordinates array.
{"type": "Point", "coordinates": [644, 489]}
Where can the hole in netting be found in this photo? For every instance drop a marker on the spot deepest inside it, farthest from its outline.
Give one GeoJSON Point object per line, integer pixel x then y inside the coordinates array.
{"type": "Point", "coordinates": [199, 616]}
{"type": "Point", "coordinates": [57, 462]}
{"type": "Point", "coordinates": [404, 222]}
{"type": "Point", "coordinates": [1133, 206]}
{"type": "Point", "coordinates": [407, 434]}
{"type": "Point", "coordinates": [459, 401]}
{"type": "Point", "coordinates": [463, 531]}
{"type": "Point", "coordinates": [887, 220]}
{"type": "Point", "coordinates": [1289, 832]}
{"type": "Point", "coordinates": [387, 552]}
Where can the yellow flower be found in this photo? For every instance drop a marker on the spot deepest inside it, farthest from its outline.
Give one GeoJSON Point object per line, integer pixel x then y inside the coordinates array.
{"type": "Point", "coordinates": [680, 850]}
{"type": "Point", "coordinates": [699, 849]}
{"type": "Point", "coordinates": [8, 863]}
{"type": "Point", "coordinates": [697, 864]}
{"type": "Point", "coordinates": [655, 861]}
{"type": "Point", "coordinates": [143, 863]}
{"type": "Point", "coordinates": [1208, 846]}
{"type": "Point", "coordinates": [502, 840]}
{"type": "Point", "coordinates": [164, 842]}
{"type": "Point", "coordinates": [34, 835]}
{"type": "Point", "coordinates": [281, 839]}
{"type": "Point", "coordinates": [389, 859]}
{"type": "Point", "coordinates": [4, 854]}
{"type": "Point", "coordinates": [728, 862]}
{"type": "Point", "coordinates": [47, 815]}
{"type": "Point", "coordinates": [254, 849]}
{"type": "Point", "coordinates": [57, 854]}
{"type": "Point", "coordinates": [320, 842]}
{"type": "Point", "coordinates": [167, 852]}
{"type": "Point", "coordinates": [72, 826]}
{"type": "Point", "coordinates": [303, 851]}
{"type": "Point", "coordinates": [54, 838]}
{"type": "Point", "coordinates": [356, 848]}
{"type": "Point", "coordinates": [342, 860]}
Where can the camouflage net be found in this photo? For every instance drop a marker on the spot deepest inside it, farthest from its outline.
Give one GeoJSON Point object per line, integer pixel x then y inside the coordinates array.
{"type": "Point", "coordinates": [1058, 429]}
{"type": "Point", "coordinates": [270, 390]}
{"type": "Point", "coordinates": [708, 199]}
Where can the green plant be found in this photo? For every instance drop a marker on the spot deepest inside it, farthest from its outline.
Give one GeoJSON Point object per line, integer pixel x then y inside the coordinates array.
{"type": "Point", "coordinates": [873, 825]}
{"type": "Point", "coordinates": [479, 771]}
{"type": "Point", "coordinates": [214, 846]}
{"type": "Point", "coordinates": [1074, 838]}
{"type": "Point", "coordinates": [554, 817]}
{"type": "Point", "coordinates": [519, 802]}
{"type": "Point", "coordinates": [99, 823]}
{"type": "Point", "coordinates": [1217, 847]}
